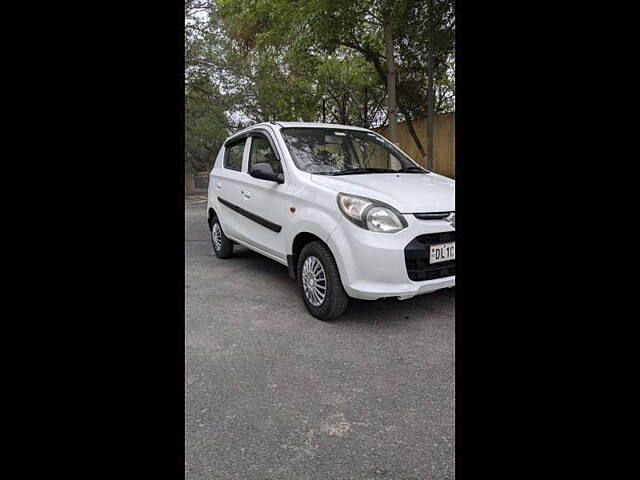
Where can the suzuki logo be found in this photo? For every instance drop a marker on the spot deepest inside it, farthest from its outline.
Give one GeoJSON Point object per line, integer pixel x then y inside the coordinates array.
{"type": "Point", "coordinates": [451, 218]}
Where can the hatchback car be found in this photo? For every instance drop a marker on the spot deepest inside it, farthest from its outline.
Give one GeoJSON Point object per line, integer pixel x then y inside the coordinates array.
{"type": "Point", "coordinates": [347, 212]}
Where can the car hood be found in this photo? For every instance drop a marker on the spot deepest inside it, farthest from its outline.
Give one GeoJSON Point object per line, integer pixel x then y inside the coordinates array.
{"type": "Point", "coordinates": [406, 192]}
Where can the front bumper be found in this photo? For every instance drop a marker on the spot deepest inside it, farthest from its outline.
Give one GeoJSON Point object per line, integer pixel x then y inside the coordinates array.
{"type": "Point", "coordinates": [372, 265]}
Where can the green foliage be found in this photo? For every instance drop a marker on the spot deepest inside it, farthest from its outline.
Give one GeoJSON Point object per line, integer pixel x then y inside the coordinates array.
{"type": "Point", "coordinates": [305, 34]}
{"type": "Point", "coordinates": [301, 69]}
{"type": "Point", "coordinates": [413, 38]}
{"type": "Point", "coordinates": [205, 126]}
{"type": "Point", "coordinates": [249, 61]}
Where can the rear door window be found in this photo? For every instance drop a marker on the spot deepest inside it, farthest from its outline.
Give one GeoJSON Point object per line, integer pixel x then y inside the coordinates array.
{"type": "Point", "coordinates": [233, 155]}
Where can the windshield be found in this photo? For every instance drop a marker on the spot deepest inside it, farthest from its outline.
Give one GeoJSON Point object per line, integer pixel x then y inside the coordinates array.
{"type": "Point", "coordinates": [329, 151]}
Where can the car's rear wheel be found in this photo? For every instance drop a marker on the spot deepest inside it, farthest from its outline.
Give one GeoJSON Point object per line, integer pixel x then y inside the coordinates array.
{"type": "Point", "coordinates": [319, 282]}
{"type": "Point", "coordinates": [222, 246]}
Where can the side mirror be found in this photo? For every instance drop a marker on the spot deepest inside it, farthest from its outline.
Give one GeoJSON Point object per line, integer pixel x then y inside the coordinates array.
{"type": "Point", "coordinates": [265, 171]}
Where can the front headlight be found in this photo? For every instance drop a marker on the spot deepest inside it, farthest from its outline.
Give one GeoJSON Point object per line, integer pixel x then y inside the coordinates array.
{"type": "Point", "coordinates": [371, 214]}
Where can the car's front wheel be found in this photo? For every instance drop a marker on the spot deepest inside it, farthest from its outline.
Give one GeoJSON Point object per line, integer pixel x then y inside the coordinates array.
{"type": "Point", "coordinates": [222, 246]}
{"type": "Point", "coordinates": [319, 282]}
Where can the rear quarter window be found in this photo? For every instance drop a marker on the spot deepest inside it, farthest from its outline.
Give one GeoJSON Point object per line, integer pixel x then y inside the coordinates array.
{"type": "Point", "coordinates": [233, 155]}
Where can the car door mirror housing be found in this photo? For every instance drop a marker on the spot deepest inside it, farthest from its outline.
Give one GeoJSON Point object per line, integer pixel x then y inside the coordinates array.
{"type": "Point", "coordinates": [265, 171]}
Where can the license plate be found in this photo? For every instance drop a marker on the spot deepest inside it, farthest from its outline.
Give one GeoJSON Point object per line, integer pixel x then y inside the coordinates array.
{"type": "Point", "coordinates": [442, 252]}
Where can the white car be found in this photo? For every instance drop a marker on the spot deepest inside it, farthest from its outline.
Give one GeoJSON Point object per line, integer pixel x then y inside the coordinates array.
{"type": "Point", "coordinates": [348, 212]}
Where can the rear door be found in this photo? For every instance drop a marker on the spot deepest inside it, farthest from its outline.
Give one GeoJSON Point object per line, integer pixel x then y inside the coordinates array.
{"type": "Point", "coordinates": [264, 202]}
{"type": "Point", "coordinates": [227, 185]}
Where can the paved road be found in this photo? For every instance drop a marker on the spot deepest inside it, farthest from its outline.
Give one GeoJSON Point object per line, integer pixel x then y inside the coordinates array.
{"type": "Point", "coordinates": [273, 393]}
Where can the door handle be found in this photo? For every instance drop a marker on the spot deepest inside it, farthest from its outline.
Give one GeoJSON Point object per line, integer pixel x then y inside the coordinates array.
{"type": "Point", "coordinates": [218, 186]}
{"type": "Point", "coordinates": [246, 194]}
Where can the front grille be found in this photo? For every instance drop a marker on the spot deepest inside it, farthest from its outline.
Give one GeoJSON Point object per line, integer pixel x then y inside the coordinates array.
{"type": "Point", "coordinates": [416, 257]}
{"type": "Point", "coordinates": [431, 216]}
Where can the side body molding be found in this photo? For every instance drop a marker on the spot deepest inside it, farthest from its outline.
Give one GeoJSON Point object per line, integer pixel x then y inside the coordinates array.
{"type": "Point", "coordinates": [251, 216]}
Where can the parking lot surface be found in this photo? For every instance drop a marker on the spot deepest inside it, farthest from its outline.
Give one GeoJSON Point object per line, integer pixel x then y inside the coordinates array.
{"type": "Point", "coordinates": [273, 393]}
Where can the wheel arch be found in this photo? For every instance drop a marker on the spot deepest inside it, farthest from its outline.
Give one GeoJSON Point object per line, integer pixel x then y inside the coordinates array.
{"type": "Point", "coordinates": [299, 241]}
{"type": "Point", "coordinates": [210, 214]}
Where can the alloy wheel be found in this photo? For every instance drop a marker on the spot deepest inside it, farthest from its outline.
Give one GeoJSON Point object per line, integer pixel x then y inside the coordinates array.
{"type": "Point", "coordinates": [314, 281]}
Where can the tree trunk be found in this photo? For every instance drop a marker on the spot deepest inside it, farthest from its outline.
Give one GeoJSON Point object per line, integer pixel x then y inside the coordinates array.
{"type": "Point", "coordinates": [343, 110]}
{"type": "Point", "coordinates": [391, 73]}
{"type": "Point", "coordinates": [414, 135]}
{"type": "Point", "coordinates": [412, 131]}
{"type": "Point", "coordinates": [365, 115]}
{"type": "Point", "coordinates": [430, 92]}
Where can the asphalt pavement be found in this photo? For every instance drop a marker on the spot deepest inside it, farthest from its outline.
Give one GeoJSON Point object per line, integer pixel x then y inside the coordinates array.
{"type": "Point", "coordinates": [273, 393]}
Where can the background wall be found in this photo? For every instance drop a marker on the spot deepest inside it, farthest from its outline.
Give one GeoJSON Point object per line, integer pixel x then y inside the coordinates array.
{"type": "Point", "coordinates": [444, 142]}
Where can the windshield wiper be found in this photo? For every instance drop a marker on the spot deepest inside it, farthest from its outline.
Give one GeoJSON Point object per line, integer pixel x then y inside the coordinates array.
{"type": "Point", "coordinates": [354, 171]}
{"type": "Point", "coordinates": [413, 169]}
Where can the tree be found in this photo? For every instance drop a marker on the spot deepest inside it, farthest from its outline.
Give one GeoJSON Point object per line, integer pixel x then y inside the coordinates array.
{"type": "Point", "coordinates": [309, 74]}
{"type": "Point", "coordinates": [391, 69]}
{"type": "Point", "coordinates": [350, 90]}
{"type": "Point", "coordinates": [430, 87]}
{"type": "Point", "coordinates": [357, 62]}
{"type": "Point", "coordinates": [205, 119]}
{"type": "Point", "coordinates": [205, 126]}
{"type": "Point", "coordinates": [425, 50]}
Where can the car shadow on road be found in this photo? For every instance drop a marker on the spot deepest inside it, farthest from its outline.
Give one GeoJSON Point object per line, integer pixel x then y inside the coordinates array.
{"type": "Point", "coordinates": [258, 265]}
{"type": "Point", "coordinates": [441, 302]}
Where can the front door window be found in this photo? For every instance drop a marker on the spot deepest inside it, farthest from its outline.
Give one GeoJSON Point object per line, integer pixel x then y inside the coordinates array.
{"type": "Point", "coordinates": [261, 152]}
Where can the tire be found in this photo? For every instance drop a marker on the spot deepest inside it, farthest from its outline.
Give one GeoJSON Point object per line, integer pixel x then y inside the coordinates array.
{"type": "Point", "coordinates": [335, 299]}
{"type": "Point", "coordinates": [224, 247]}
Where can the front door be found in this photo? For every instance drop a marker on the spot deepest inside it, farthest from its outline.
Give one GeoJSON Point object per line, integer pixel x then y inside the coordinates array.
{"type": "Point", "coordinates": [264, 202]}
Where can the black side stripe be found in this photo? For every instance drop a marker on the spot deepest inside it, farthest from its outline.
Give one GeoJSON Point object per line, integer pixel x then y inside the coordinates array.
{"type": "Point", "coordinates": [252, 216]}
